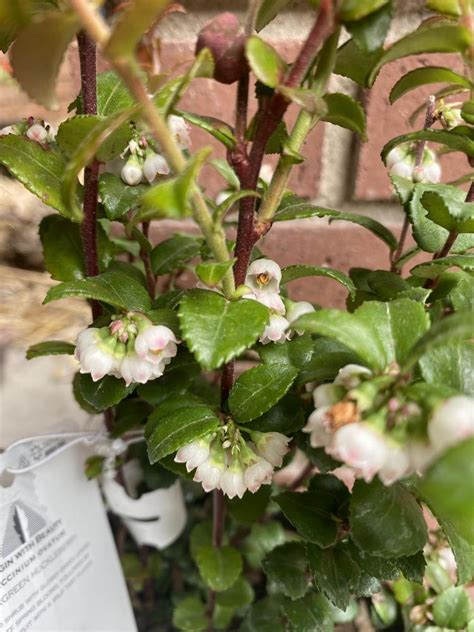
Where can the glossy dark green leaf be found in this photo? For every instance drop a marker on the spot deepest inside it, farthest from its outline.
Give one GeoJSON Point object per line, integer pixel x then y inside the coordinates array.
{"type": "Point", "coordinates": [344, 111]}
{"type": "Point", "coordinates": [426, 75]}
{"type": "Point", "coordinates": [50, 347]}
{"type": "Point", "coordinates": [171, 254]}
{"type": "Point", "coordinates": [299, 271]}
{"type": "Point", "coordinates": [265, 62]}
{"type": "Point", "coordinates": [62, 248]}
{"type": "Point", "coordinates": [450, 364]}
{"type": "Point", "coordinates": [334, 573]}
{"type": "Point", "coordinates": [38, 51]}
{"type": "Point", "coordinates": [72, 131]}
{"type": "Point", "coordinates": [40, 170]}
{"type": "Point", "coordinates": [117, 197]}
{"type": "Point", "coordinates": [311, 613]}
{"type": "Point", "coordinates": [174, 427]}
{"type": "Point", "coordinates": [115, 288]}
{"type": "Point", "coordinates": [386, 521]}
{"type": "Point", "coordinates": [297, 208]}
{"type": "Point", "coordinates": [286, 568]}
{"type": "Point", "coordinates": [327, 358]}
{"type": "Point", "coordinates": [105, 393]}
{"type": "Point", "coordinates": [356, 63]}
{"type": "Point", "coordinates": [262, 539]}
{"type": "Point", "coordinates": [369, 33]}
{"type": "Point", "coordinates": [296, 352]}
{"type": "Point", "coordinates": [287, 417]}
{"type": "Point", "coordinates": [217, 330]}
{"type": "Point", "coordinates": [258, 389]}
{"type": "Point", "coordinates": [251, 506]}
{"type": "Point", "coordinates": [265, 615]}
{"type": "Point", "coordinates": [239, 595]}
{"type": "Point", "coordinates": [219, 567]}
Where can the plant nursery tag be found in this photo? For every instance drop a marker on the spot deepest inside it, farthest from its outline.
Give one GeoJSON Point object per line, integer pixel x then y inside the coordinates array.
{"type": "Point", "coordinates": [59, 570]}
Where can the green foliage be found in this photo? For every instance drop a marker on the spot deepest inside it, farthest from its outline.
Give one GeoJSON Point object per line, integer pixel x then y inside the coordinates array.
{"type": "Point", "coordinates": [171, 254]}
{"type": "Point", "coordinates": [218, 129]}
{"type": "Point", "coordinates": [265, 62]}
{"type": "Point", "coordinates": [426, 75]}
{"type": "Point", "coordinates": [334, 573]}
{"type": "Point", "coordinates": [190, 615]}
{"type": "Point", "coordinates": [356, 10]}
{"type": "Point", "coordinates": [107, 392]}
{"type": "Point", "coordinates": [263, 538]}
{"type": "Point", "coordinates": [211, 273]}
{"type": "Point", "coordinates": [219, 567]}
{"type": "Point", "coordinates": [112, 95]}
{"type": "Point", "coordinates": [217, 330]}
{"type": "Point", "coordinates": [62, 248]}
{"type": "Point", "coordinates": [446, 364]}
{"type": "Point", "coordinates": [452, 608]}
{"type": "Point", "coordinates": [369, 33]}
{"type": "Point", "coordinates": [117, 197]}
{"type": "Point", "coordinates": [291, 273]}
{"type": "Point", "coordinates": [342, 110]}
{"type": "Point", "coordinates": [50, 347]}
{"type": "Point", "coordinates": [286, 568]}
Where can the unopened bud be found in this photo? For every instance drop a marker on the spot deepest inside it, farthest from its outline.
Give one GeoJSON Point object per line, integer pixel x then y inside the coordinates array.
{"type": "Point", "coordinates": [223, 37]}
{"type": "Point", "coordinates": [37, 133]}
{"type": "Point", "coordinates": [132, 171]}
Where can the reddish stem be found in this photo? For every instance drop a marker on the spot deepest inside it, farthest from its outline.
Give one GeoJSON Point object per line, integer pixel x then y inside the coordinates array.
{"type": "Point", "coordinates": [88, 66]}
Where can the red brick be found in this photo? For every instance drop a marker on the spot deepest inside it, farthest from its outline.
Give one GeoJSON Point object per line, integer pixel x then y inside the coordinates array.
{"type": "Point", "coordinates": [386, 121]}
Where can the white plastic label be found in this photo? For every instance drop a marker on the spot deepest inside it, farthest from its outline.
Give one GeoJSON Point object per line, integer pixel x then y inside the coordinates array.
{"type": "Point", "coordinates": [59, 569]}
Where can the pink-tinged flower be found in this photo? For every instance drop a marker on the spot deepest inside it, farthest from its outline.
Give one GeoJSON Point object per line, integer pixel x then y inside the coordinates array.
{"type": "Point", "coordinates": [452, 422]}
{"type": "Point", "coordinates": [403, 169]}
{"type": "Point", "coordinates": [397, 465]}
{"type": "Point", "coordinates": [95, 353]}
{"type": "Point", "coordinates": [232, 480]}
{"type": "Point", "coordinates": [257, 474]}
{"type": "Point", "coordinates": [180, 129]}
{"type": "Point", "coordinates": [428, 173]}
{"type": "Point", "coordinates": [295, 310]}
{"type": "Point", "coordinates": [272, 446]}
{"type": "Point", "coordinates": [351, 375]}
{"type": "Point", "coordinates": [194, 453]}
{"type": "Point", "coordinates": [38, 133]}
{"type": "Point", "coordinates": [263, 277]}
{"type": "Point", "coordinates": [272, 300]}
{"type": "Point", "coordinates": [136, 369]}
{"type": "Point", "coordinates": [318, 428]}
{"type": "Point", "coordinates": [156, 344]}
{"type": "Point", "coordinates": [360, 447]}
{"type": "Point", "coordinates": [132, 173]}
{"type": "Point", "coordinates": [276, 330]}
{"type": "Point", "coordinates": [154, 164]}
{"type": "Point", "coordinates": [10, 129]}
{"type": "Point", "coordinates": [397, 154]}
{"type": "Point", "coordinates": [346, 475]}
{"type": "Point", "coordinates": [326, 395]}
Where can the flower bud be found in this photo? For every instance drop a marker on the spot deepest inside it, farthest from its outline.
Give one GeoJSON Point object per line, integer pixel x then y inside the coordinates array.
{"type": "Point", "coordinates": [223, 37]}
{"type": "Point", "coordinates": [37, 133]}
{"type": "Point", "coordinates": [132, 173]}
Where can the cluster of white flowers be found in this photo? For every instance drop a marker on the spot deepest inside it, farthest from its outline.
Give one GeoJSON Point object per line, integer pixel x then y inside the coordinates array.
{"type": "Point", "coordinates": [145, 164]}
{"type": "Point", "coordinates": [364, 447]}
{"type": "Point", "coordinates": [225, 460]}
{"type": "Point", "coordinates": [401, 162]}
{"type": "Point", "coordinates": [39, 131]}
{"type": "Point", "coordinates": [263, 281]}
{"type": "Point", "coordinates": [131, 348]}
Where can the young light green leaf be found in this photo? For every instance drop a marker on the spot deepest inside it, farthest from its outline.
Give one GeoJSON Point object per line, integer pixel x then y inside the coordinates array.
{"type": "Point", "coordinates": [177, 427]}
{"type": "Point", "coordinates": [426, 75]}
{"type": "Point", "coordinates": [262, 539]}
{"type": "Point", "coordinates": [62, 248]}
{"type": "Point", "coordinates": [433, 269]}
{"type": "Point", "coordinates": [452, 609]}
{"type": "Point", "coordinates": [38, 52]}
{"type": "Point", "coordinates": [334, 573]}
{"type": "Point", "coordinates": [219, 567]}
{"type": "Point", "coordinates": [307, 99]}
{"type": "Point", "coordinates": [265, 62]}
{"type": "Point", "coordinates": [171, 198]}
{"type": "Point", "coordinates": [239, 595]}
{"type": "Point", "coordinates": [112, 95]}
{"type": "Point", "coordinates": [293, 207]}
{"type": "Point", "coordinates": [386, 521]}
{"type": "Point", "coordinates": [40, 170]}
{"type": "Point", "coordinates": [450, 364]}
{"type": "Point", "coordinates": [267, 11]}
{"type": "Point", "coordinates": [356, 10]}
{"type": "Point", "coordinates": [72, 131]}
{"type": "Point", "coordinates": [286, 568]}
{"type": "Point", "coordinates": [173, 253]}
{"type": "Point", "coordinates": [258, 389]}
{"type": "Point", "coordinates": [448, 7]}
{"type": "Point", "coordinates": [344, 111]}
{"type": "Point", "coordinates": [50, 347]}
{"type": "Point", "coordinates": [105, 393]}
{"type": "Point", "coordinates": [117, 197]}
{"type": "Point", "coordinates": [113, 287]}
{"type": "Point", "coordinates": [190, 615]}
{"type": "Point", "coordinates": [131, 25]}
{"type": "Point", "coordinates": [212, 272]}
{"type": "Point", "coordinates": [291, 273]}
{"type": "Point", "coordinates": [217, 330]}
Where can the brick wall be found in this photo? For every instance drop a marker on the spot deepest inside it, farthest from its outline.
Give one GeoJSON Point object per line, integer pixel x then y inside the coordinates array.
{"type": "Point", "coordinates": [339, 172]}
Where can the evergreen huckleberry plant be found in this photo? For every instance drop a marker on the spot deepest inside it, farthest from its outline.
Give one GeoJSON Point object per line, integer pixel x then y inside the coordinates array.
{"type": "Point", "coordinates": [326, 455]}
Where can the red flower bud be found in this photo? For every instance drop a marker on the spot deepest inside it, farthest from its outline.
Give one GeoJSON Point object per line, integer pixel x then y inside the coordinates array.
{"type": "Point", "coordinates": [227, 44]}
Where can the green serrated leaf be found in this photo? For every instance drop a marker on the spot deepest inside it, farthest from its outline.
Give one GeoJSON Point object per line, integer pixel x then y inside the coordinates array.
{"type": "Point", "coordinates": [267, 11]}
{"type": "Point", "coordinates": [251, 506]}
{"type": "Point", "coordinates": [217, 330]}
{"type": "Point", "coordinates": [386, 521]}
{"type": "Point", "coordinates": [344, 111]}
{"type": "Point", "coordinates": [219, 567]}
{"type": "Point", "coordinates": [105, 393]}
{"type": "Point", "coordinates": [265, 62]}
{"type": "Point", "coordinates": [426, 75]}
{"type": "Point", "coordinates": [450, 364]}
{"type": "Point", "coordinates": [112, 95]}
{"type": "Point", "coordinates": [117, 197]}
{"type": "Point", "coordinates": [175, 427]}
{"type": "Point", "coordinates": [38, 51]}
{"type": "Point", "coordinates": [115, 288]}
{"type": "Point", "coordinates": [334, 573]}
{"type": "Point", "coordinates": [286, 568]}
{"type": "Point", "coordinates": [433, 269]}
{"type": "Point", "coordinates": [39, 169]}
{"type": "Point", "coordinates": [287, 417]}
{"type": "Point", "coordinates": [258, 389]}
{"type": "Point", "coordinates": [72, 131]}
{"type": "Point", "coordinates": [265, 615]}
{"type": "Point", "coordinates": [327, 358]}
{"type": "Point", "coordinates": [299, 271]}
{"type": "Point", "coordinates": [62, 248]}
{"type": "Point", "coordinates": [311, 613]}
{"type": "Point", "coordinates": [239, 595]}
{"type": "Point", "coordinates": [50, 347]}
{"type": "Point", "coordinates": [293, 207]}
{"type": "Point", "coordinates": [452, 139]}
{"type": "Point", "coordinates": [448, 213]}
{"type": "Point", "coordinates": [173, 253]}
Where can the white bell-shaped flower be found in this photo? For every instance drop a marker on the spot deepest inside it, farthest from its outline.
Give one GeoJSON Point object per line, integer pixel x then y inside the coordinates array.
{"type": "Point", "coordinates": [257, 474]}
{"type": "Point", "coordinates": [180, 129]}
{"type": "Point", "coordinates": [194, 453]}
{"type": "Point", "coordinates": [326, 395]}
{"type": "Point", "coordinates": [263, 277]}
{"type": "Point", "coordinates": [397, 465]}
{"type": "Point", "coordinates": [452, 422]}
{"type": "Point", "coordinates": [155, 164]}
{"type": "Point", "coordinates": [136, 369]}
{"type": "Point", "coordinates": [397, 154]}
{"type": "Point", "coordinates": [96, 353]}
{"type": "Point", "coordinates": [232, 480]}
{"type": "Point", "coordinates": [272, 446]}
{"type": "Point", "coordinates": [295, 310]}
{"type": "Point", "coordinates": [156, 344]}
{"type": "Point", "coordinates": [209, 473]}
{"type": "Point", "coordinates": [429, 173]}
{"type": "Point", "coordinates": [361, 447]}
{"type": "Point", "coordinates": [351, 375]}
{"type": "Point", "coordinates": [318, 428]}
{"type": "Point", "coordinates": [276, 330]}
{"type": "Point", "coordinates": [132, 172]}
